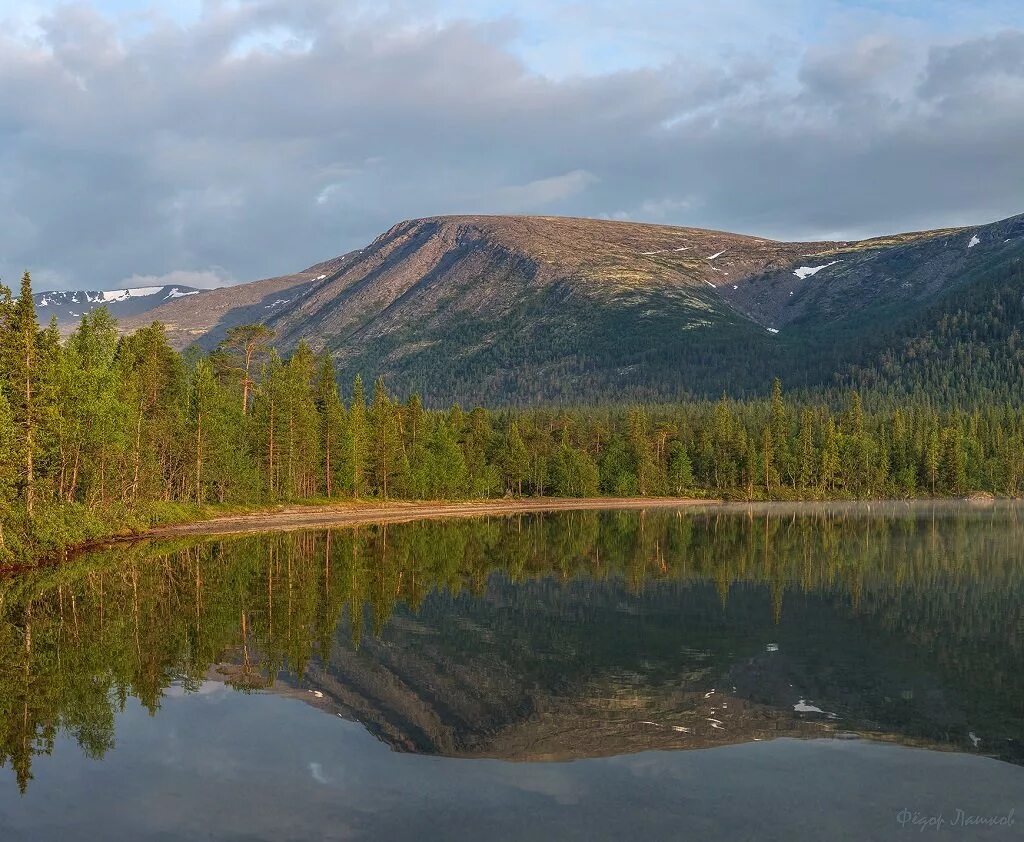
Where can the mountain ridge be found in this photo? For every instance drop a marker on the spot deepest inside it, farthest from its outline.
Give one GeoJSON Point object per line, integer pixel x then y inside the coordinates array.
{"type": "Point", "coordinates": [68, 306]}
{"type": "Point", "coordinates": [524, 308]}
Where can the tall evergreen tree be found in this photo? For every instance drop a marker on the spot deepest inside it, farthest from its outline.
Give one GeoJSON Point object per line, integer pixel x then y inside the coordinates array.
{"type": "Point", "coordinates": [21, 364]}
{"type": "Point", "coordinates": [8, 468]}
{"type": "Point", "coordinates": [358, 439]}
{"type": "Point", "coordinates": [515, 460]}
{"type": "Point", "coordinates": [332, 423]}
{"type": "Point", "coordinates": [386, 441]}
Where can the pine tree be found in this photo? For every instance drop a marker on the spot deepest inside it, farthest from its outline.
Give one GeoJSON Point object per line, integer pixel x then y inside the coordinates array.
{"type": "Point", "coordinates": [303, 424]}
{"type": "Point", "coordinates": [271, 423]}
{"type": "Point", "coordinates": [8, 469]}
{"type": "Point", "coordinates": [90, 430]}
{"type": "Point", "coordinates": [386, 440]}
{"type": "Point", "coordinates": [932, 459]}
{"type": "Point", "coordinates": [641, 452]}
{"type": "Point", "coordinates": [806, 449]}
{"type": "Point", "coordinates": [358, 439]}
{"type": "Point", "coordinates": [332, 423]}
{"type": "Point", "coordinates": [201, 404]}
{"type": "Point", "coordinates": [515, 460]}
{"type": "Point", "coordinates": [154, 384]}
{"type": "Point", "coordinates": [829, 473]}
{"type": "Point", "coordinates": [476, 446]}
{"type": "Point", "coordinates": [680, 470]}
{"type": "Point", "coordinates": [448, 465]}
{"type": "Point", "coordinates": [778, 421]}
{"type": "Point", "coordinates": [954, 463]}
{"type": "Point", "coordinates": [575, 473]}
{"type": "Point", "coordinates": [248, 343]}
{"type": "Point", "coordinates": [20, 365]}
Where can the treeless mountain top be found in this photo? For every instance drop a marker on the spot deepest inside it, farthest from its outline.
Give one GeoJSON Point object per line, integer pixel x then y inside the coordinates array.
{"type": "Point", "coordinates": [477, 264]}
{"type": "Point", "coordinates": [494, 309]}
{"type": "Point", "coordinates": [626, 253]}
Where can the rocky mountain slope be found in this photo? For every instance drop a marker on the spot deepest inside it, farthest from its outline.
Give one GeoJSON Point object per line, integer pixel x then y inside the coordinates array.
{"type": "Point", "coordinates": [205, 317]}
{"type": "Point", "coordinates": [519, 309]}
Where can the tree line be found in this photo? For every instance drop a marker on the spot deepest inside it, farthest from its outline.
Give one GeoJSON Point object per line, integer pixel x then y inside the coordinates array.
{"type": "Point", "coordinates": [100, 429]}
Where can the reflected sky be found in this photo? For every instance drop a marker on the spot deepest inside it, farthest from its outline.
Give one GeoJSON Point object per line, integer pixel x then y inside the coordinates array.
{"type": "Point", "coordinates": [223, 765]}
{"type": "Point", "coordinates": [574, 675]}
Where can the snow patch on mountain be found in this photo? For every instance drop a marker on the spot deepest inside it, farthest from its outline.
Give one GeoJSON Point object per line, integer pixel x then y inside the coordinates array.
{"type": "Point", "coordinates": [663, 251]}
{"type": "Point", "coordinates": [805, 272]}
{"type": "Point", "coordinates": [974, 242]}
{"type": "Point", "coordinates": [125, 294]}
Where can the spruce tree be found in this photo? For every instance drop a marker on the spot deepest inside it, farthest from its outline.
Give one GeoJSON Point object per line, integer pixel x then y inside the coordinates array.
{"type": "Point", "coordinates": [515, 460]}
{"type": "Point", "coordinates": [386, 448]}
{"type": "Point", "coordinates": [332, 423]}
{"type": "Point", "coordinates": [680, 470]}
{"type": "Point", "coordinates": [20, 345]}
{"type": "Point", "coordinates": [358, 439]}
{"type": "Point", "coordinates": [8, 467]}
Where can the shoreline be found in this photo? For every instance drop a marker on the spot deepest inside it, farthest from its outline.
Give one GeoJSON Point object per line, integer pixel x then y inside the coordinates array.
{"type": "Point", "coordinates": [326, 515]}
{"type": "Point", "coordinates": [349, 513]}
{"type": "Point", "coordinates": [292, 518]}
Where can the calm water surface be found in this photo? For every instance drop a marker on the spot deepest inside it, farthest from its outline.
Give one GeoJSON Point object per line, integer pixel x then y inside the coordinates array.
{"type": "Point", "coordinates": [780, 673]}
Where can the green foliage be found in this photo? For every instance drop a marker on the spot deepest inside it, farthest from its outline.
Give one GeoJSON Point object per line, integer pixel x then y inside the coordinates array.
{"type": "Point", "coordinates": [97, 430]}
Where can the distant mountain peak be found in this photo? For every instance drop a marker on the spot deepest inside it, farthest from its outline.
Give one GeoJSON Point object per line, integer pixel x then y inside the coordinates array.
{"type": "Point", "coordinates": [70, 305]}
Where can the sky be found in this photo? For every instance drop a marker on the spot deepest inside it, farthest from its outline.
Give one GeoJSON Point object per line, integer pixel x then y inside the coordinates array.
{"type": "Point", "coordinates": [219, 141]}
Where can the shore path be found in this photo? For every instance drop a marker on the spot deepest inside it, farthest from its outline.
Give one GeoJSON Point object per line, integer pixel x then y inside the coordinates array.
{"type": "Point", "coordinates": [311, 517]}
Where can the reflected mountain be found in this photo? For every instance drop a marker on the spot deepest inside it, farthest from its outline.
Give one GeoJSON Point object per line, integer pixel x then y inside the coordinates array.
{"type": "Point", "coordinates": [548, 636]}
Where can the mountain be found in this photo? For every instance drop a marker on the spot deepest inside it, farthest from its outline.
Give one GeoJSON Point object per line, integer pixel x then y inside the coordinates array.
{"type": "Point", "coordinates": [68, 306]}
{"type": "Point", "coordinates": [203, 319]}
{"type": "Point", "coordinates": [517, 309]}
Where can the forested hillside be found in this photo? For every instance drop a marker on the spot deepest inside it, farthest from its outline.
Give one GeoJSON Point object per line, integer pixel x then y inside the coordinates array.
{"type": "Point", "coordinates": [103, 432]}
{"type": "Point", "coordinates": [514, 311]}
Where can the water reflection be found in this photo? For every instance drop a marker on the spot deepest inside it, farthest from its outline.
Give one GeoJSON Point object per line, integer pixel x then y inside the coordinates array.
{"type": "Point", "coordinates": [546, 636]}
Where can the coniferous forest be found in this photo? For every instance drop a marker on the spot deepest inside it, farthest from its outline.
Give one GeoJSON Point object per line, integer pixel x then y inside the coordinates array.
{"type": "Point", "coordinates": [101, 432]}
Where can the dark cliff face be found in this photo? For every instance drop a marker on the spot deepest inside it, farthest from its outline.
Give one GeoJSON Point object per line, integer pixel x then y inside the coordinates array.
{"type": "Point", "coordinates": [520, 309]}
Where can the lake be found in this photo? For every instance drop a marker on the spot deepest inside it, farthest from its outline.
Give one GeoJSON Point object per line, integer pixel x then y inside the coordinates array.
{"type": "Point", "coordinates": [779, 672]}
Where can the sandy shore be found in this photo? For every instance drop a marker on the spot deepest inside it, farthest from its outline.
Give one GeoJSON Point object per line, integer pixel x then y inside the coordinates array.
{"type": "Point", "coordinates": [307, 517]}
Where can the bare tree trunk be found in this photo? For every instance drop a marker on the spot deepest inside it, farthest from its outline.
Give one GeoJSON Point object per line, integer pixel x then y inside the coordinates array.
{"type": "Point", "coordinates": [246, 382]}
{"type": "Point", "coordinates": [270, 450]}
{"type": "Point", "coordinates": [29, 445]}
{"type": "Point", "coordinates": [138, 452]}
{"type": "Point", "coordinates": [327, 464]}
{"type": "Point", "coordinates": [74, 475]}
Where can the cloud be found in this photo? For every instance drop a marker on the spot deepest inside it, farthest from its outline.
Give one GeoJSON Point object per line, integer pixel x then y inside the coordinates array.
{"type": "Point", "coordinates": [543, 191]}
{"type": "Point", "coordinates": [203, 279]}
{"type": "Point", "coordinates": [265, 136]}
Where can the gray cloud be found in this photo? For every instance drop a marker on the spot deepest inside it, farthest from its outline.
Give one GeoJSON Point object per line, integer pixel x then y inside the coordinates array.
{"type": "Point", "coordinates": [272, 135]}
